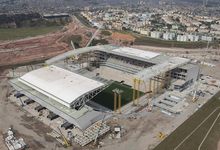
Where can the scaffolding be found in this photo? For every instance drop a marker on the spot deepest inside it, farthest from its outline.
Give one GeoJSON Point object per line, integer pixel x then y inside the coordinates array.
{"type": "Point", "coordinates": [90, 134]}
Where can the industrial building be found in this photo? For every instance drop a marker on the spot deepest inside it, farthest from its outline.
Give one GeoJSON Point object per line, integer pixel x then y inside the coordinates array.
{"type": "Point", "coordinates": [71, 80]}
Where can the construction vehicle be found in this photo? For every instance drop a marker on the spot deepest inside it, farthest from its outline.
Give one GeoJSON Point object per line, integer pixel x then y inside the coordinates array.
{"type": "Point", "coordinates": [161, 136]}
{"type": "Point", "coordinates": [195, 97]}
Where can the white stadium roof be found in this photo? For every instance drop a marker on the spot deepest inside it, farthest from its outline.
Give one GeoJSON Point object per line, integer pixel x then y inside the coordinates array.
{"type": "Point", "coordinates": [136, 52]}
{"type": "Point", "coordinates": [60, 84]}
{"type": "Point", "coordinates": [122, 51]}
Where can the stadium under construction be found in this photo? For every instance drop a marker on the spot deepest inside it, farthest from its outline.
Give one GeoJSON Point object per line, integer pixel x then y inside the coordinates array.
{"type": "Point", "coordinates": [90, 84]}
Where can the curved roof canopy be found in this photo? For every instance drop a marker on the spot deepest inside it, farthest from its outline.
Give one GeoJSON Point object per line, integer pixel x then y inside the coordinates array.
{"type": "Point", "coordinates": [61, 85]}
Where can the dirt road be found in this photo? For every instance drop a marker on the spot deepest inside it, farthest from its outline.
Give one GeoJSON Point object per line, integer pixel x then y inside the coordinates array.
{"type": "Point", "coordinates": [41, 47]}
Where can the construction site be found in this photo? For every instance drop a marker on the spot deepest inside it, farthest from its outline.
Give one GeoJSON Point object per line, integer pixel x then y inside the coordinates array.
{"type": "Point", "coordinates": [89, 93]}
{"type": "Point", "coordinates": [102, 97]}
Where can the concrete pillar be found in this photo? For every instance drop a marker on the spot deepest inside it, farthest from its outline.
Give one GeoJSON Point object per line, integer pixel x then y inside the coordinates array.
{"type": "Point", "coordinates": [138, 90]}
{"type": "Point", "coordinates": [134, 90]}
{"type": "Point", "coordinates": [150, 86]}
{"type": "Point", "coordinates": [153, 91]}
{"type": "Point", "coordinates": [119, 103]}
{"type": "Point", "coordinates": [158, 84]}
{"type": "Point", "coordinates": [115, 101]}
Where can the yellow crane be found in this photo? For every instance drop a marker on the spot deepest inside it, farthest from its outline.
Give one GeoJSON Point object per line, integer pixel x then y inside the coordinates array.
{"type": "Point", "coordinates": [195, 96]}
{"type": "Point", "coordinates": [66, 142]}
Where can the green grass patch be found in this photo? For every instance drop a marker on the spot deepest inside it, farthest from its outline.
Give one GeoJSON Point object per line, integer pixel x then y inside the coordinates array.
{"type": "Point", "coordinates": [190, 124]}
{"type": "Point", "coordinates": [20, 33]}
{"type": "Point", "coordinates": [101, 41]}
{"type": "Point", "coordinates": [106, 97]}
{"type": "Point", "coordinates": [106, 33]}
{"type": "Point", "coordinates": [76, 39]}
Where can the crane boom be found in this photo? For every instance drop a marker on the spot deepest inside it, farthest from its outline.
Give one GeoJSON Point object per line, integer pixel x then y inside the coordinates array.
{"type": "Point", "coordinates": [93, 36]}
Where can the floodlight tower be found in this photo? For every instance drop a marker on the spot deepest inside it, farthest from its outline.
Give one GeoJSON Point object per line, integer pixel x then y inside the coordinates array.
{"type": "Point", "coordinates": [195, 97]}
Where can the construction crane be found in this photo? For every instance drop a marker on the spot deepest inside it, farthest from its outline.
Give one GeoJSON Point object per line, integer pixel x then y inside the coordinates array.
{"type": "Point", "coordinates": [68, 54]}
{"type": "Point", "coordinates": [93, 36]}
{"type": "Point", "coordinates": [66, 143]}
{"type": "Point", "coordinates": [195, 93]}
{"type": "Point", "coordinates": [72, 44]}
{"type": "Point", "coordinates": [72, 58]}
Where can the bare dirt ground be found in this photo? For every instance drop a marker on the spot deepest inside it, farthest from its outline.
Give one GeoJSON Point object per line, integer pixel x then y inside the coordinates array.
{"type": "Point", "coordinates": [26, 51]}
{"type": "Point", "coordinates": [33, 49]}
{"type": "Point", "coordinates": [41, 47]}
{"type": "Point", "coordinates": [141, 132]}
{"type": "Point", "coordinates": [119, 38]}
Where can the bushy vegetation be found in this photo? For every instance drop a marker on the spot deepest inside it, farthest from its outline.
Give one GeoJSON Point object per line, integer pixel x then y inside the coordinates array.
{"type": "Point", "coordinates": [30, 20]}
{"type": "Point", "coordinates": [106, 33]}
{"type": "Point", "coordinates": [101, 42]}
{"type": "Point", "coordinates": [76, 39]}
{"type": "Point", "coordinates": [162, 43]}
